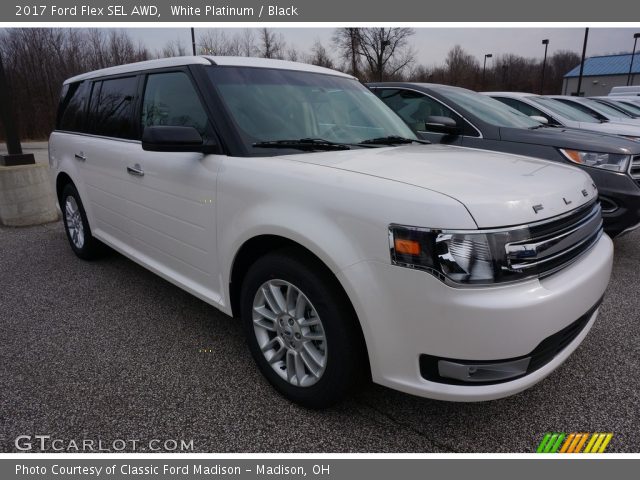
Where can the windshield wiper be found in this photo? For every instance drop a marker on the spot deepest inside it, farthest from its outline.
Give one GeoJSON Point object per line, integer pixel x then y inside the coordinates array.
{"type": "Point", "coordinates": [307, 144]}
{"type": "Point", "coordinates": [392, 140]}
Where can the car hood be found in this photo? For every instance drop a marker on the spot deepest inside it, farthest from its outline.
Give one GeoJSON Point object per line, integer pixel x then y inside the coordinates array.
{"type": "Point", "coordinates": [610, 128]}
{"type": "Point", "coordinates": [561, 137]}
{"type": "Point", "coordinates": [497, 189]}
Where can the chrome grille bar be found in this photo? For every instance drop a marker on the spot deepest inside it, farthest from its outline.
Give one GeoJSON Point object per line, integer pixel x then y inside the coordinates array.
{"type": "Point", "coordinates": [548, 253]}
{"type": "Point", "coordinates": [634, 168]}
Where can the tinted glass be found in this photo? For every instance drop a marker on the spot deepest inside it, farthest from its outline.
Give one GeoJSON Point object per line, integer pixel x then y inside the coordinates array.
{"type": "Point", "coordinates": [527, 109]}
{"type": "Point", "coordinates": [273, 104]}
{"type": "Point", "coordinates": [630, 108]}
{"type": "Point", "coordinates": [606, 109]}
{"type": "Point", "coordinates": [414, 108]}
{"type": "Point", "coordinates": [566, 111]}
{"type": "Point", "coordinates": [170, 99]}
{"type": "Point", "coordinates": [111, 107]}
{"type": "Point", "coordinates": [72, 110]}
{"type": "Point", "coordinates": [488, 109]}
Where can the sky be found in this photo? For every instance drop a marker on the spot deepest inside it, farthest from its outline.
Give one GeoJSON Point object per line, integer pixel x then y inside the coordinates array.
{"type": "Point", "coordinates": [432, 44]}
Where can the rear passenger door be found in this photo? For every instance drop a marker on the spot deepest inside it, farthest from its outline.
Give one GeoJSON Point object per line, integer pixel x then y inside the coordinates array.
{"type": "Point", "coordinates": [172, 207]}
{"type": "Point", "coordinates": [110, 144]}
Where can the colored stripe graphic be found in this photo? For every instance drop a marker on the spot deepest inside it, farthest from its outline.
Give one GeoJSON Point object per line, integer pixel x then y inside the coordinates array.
{"type": "Point", "coordinates": [583, 439]}
{"type": "Point", "coordinates": [557, 442]}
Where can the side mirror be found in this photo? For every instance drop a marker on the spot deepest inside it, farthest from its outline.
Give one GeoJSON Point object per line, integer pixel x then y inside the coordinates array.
{"type": "Point", "coordinates": [537, 118]}
{"type": "Point", "coordinates": [161, 138]}
{"type": "Point", "coordinates": [441, 125]}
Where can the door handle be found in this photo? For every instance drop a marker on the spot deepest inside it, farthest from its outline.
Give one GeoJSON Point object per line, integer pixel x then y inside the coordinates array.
{"type": "Point", "coordinates": [80, 156]}
{"type": "Point", "coordinates": [135, 170]}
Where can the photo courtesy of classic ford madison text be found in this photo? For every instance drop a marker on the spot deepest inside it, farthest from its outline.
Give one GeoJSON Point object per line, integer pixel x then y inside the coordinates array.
{"type": "Point", "coordinates": [336, 237]}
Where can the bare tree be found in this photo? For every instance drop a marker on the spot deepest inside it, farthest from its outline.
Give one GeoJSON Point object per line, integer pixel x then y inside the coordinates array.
{"type": "Point", "coordinates": [347, 42]}
{"type": "Point", "coordinates": [386, 51]}
{"type": "Point", "coordinates": [38, 60]}
{"type": "Point", "coordinates": [293, 55]}
{"type": "Point", "coordinates": [320, 56]}
{"type": "Point", "coordinates": [173, 48]}
{"type": "Point", "coordinates": [271, 44]}
{"type": "Point", "coordinates": [213, 42]}
{"type": "Point", "coordinates": [247, 43]}
{"type": "Point", "coordinates": [560, 63]}
{"type": "Point", "coordinates": [461, 67]}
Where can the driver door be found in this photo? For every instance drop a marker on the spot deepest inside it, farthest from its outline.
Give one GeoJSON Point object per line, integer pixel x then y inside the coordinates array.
{"type": "Point", "coordinates": [173, 215]}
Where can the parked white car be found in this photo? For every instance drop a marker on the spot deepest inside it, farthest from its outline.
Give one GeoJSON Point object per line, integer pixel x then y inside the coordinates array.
{"type": "Point", "coordinates": [291, 197]}
{"type": "Point", "coordinates": [597, 110]}
{"type": "Point", "coordinates": [560, 114]}
{"type": "Point", "coordinates": [633, 90]}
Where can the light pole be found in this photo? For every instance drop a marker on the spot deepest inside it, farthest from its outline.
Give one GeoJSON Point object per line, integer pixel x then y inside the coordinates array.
{"type": "Point", "coordinates": [635, 42]}
{"type": "Point", "coordinates": [545, 42]}
{"type": "Point", "coordinates": [584, 54]}
{"type": "Point", "coordinates": [193, 41]}
{"type": "Point", "coordinates": [484, 67]}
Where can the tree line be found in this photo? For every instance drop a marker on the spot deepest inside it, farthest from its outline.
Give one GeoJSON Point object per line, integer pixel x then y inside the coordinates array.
{"type": "Point", "coordinates": [38, 60]}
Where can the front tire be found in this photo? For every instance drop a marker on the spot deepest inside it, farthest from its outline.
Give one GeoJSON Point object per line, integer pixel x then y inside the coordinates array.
{"type": "Point", "coordinates": [301, 329]}
{"type": "Point", "coordinates": [76, 225]}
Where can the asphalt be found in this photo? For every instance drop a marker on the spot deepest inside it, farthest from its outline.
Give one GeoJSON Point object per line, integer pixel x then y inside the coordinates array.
{"type": "Point", "coordinates": [106, 350]}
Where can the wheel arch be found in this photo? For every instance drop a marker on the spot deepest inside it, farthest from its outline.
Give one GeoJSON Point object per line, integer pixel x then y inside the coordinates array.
{"type": "Point", "coordinates": [62, 180]}
{"type": "Point", "coordinates": [260, 245]}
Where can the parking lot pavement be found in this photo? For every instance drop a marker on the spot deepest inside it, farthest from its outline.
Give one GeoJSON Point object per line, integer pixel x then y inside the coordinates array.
{"type": "Point", "coordinates": [107, 350]}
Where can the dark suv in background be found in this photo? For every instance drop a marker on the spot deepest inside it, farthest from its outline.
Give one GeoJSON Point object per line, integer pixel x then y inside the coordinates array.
{"type": "Point", "coordinates": [457, 116]}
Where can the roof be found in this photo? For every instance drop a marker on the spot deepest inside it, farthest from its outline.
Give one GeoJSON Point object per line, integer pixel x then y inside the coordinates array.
{"type": "Point", "coordinates": [510, 94]}
{"type": "Point", "coordinates": [607, 65]}
{"type": "Point", "coordinates": [571, 98]}
{"type": "Point", "coordinates": [207, 60]}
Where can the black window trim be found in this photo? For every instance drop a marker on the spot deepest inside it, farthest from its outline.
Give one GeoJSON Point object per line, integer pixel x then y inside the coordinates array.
{"type": "Point", "coordinates": [211, 127]}
{"type": "Point", "coordinates": [190, 70]}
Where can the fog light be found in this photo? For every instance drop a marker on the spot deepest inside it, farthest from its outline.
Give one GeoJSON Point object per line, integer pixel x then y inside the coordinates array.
{"type": "Point", "coordinates": [483, 372]}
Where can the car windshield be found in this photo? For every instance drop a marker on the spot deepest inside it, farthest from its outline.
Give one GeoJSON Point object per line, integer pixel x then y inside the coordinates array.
{"type": "Point", "coordinates": [563, 109]}
{"type": "Point", "coordinates": [489, 109]}
{"type": "Point", "coordinates": [605, 109]}
{"type": "Point", "coordinates": [629, 107]}
{"type": "Point", "coordinates": [277, 108]}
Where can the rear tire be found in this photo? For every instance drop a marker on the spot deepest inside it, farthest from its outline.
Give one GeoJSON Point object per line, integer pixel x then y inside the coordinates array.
{"type": "Point", "coordinates": [76, 225]}
{"type": "Point", "coordinates": [301, 329]}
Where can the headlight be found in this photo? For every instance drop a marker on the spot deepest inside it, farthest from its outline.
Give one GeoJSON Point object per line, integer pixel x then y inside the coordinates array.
{"type": "Point", "coordinates": [608, 161]}
{"type": "Point", "coordinates": [458, 257]}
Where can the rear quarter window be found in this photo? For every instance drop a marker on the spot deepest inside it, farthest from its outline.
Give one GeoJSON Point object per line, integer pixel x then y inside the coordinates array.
{"type": "Point", "coordinates": [111, 107]}
{"type": "Point", "coordinates": [72, 108]}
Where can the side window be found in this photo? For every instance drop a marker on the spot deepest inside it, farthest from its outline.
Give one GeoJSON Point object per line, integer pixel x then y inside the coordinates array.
{"type": "Point", "coordinates": [582, 108]}
{"type": "Point", "coordinates": [414, 108]}
{"type": "Point", "coordinates": [527, 109]}
{"type": "Point", "coordinates": [111, 107]}
{"type": "Point", "coordinates": [170, 99]}
{"type": "Point", "coordinates": [72, 110]}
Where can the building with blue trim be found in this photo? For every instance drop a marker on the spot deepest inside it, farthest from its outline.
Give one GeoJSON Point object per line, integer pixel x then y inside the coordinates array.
{"type": "Point", "coordinates": [601, 74]}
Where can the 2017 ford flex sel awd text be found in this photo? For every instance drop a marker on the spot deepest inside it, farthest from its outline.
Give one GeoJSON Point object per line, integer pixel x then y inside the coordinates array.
{"type": "Point", "coordinates": [291, 197]}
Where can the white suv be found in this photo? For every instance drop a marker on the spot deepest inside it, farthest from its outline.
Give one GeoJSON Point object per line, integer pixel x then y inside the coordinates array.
{"type": "Point", "coordinates": [291, 197]}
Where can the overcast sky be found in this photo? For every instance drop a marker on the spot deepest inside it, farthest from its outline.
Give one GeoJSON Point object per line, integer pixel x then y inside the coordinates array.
{"type": "Point", "coordinates": [432, 44]}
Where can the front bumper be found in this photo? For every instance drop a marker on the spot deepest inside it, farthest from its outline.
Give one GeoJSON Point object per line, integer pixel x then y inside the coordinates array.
{"type": "Point", "coordinates": [406, 314]}
{"type": "Point", "coordinates": [620, 200]}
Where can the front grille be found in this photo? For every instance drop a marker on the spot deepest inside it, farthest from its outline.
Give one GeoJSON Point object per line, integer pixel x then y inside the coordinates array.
{"type": "Point", "coordinates": [546, 351]}
{"type": "Point", "coordinates": [634, 168]}
{"type": "Point", "coordinates": [556, 243]}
